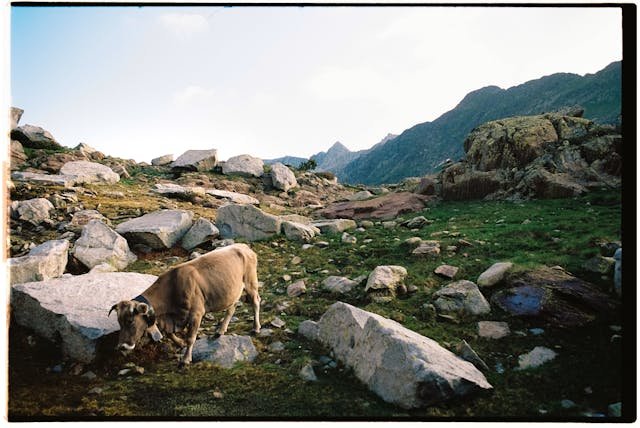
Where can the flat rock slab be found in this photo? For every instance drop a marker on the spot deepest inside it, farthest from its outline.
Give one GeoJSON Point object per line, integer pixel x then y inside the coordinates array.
{"type": "Point", "coordinates": [45, 179]}
{"type": "Point", "coordinates": [236, 198]}
{"type": "Point", "coordinates": [159, 229]}
{"type": "Point", "coordinates": [224, 351]}
{"type": "Point", "coordinates": [386, 207]}
{"type": "Point", "coordinates": [74, 309]}
{"type": "Point", "coordinates": [246, 221]}
{"type": "Point", "coordinates": [554, 296]}
{"type": "Point", "coordinates": [336, 225]}
{"type": "Point", "coordinates": [493, 329]}
{"type": "Point", "coordinates": [399, 365]}
{"type": "Point", "coordinates": [537, 357]}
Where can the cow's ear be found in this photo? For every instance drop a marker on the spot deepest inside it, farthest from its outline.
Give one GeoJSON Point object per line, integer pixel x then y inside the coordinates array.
{"type": "Point", "coordinates": [141, 308]}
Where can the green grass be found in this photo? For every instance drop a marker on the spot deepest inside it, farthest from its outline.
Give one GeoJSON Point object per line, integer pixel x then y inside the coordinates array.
{"type": "Point", "coordinates": [271, 388]}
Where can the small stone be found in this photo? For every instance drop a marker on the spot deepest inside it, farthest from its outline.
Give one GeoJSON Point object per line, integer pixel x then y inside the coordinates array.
{"type": "Point", "coordinates": [588, 390]}
{"type": "Point", "coordinates": [296, 260]}
{"type": "Point", "coordinates": [348, 239]}
{"type": "Point", "coordinates": [567, 404]}
{"type": "Point", "coordinates": [276, 347]}
{"type": "Point", "coordinates": [95, 391]}
{"type": "Point", "coordinates": [537, 357]}
{"type": "Point", "coordinates": [499, 368]}
{"type": "Point", "coordinates": [322, 244]}
{"type": "Point", "coordinates": [296, 289]}
{"type": "Point", "coordinates": [307, 374]}
{"type": "Point", "coordinates": [265, 332]}
{"type": "Point", "coordinates": [493, 329]}
{"type": "Point", "coordinates": [307, 246]}
{"type": "Point", "coordinates": [447, 271]}
{"type": "Point", "coordinates": [124, 372]}
{"type": "Point", "coordinates": [57, 368]}
{"type": "Point", "coordinates": [389, 224]}
{"type": "Point", "coordinates": [615, 410]}
{"type": "Point", "coordinates": [286, 277]}
{"type": "Point", "coordinates": [536, 331]}
{"type": "Point", "coordinates": [89, 375]}
{"type": "Point", "coordinates": [278, 323]}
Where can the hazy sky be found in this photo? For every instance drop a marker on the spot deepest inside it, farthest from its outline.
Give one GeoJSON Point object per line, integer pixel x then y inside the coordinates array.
{"type": "Point", "coordinates": [140, 82]}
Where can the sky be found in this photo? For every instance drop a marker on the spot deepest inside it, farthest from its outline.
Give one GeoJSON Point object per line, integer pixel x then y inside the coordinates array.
{"type": "Point", "coordinates": [142, 82]}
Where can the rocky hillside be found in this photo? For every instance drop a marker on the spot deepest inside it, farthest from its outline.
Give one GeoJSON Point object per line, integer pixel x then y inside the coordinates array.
{"type": "Point", "coordinates": [422, 148]}
{"type": "Point", "coordinates": [378, 302]}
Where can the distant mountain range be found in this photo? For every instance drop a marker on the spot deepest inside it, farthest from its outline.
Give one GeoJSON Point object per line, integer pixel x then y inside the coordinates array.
{"type": "Point", "coordinates": [420, 149]}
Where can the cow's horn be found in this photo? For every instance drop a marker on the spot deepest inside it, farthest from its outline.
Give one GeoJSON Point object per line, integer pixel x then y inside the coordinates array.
{"type": "Point", "coordinates": [113, 308]}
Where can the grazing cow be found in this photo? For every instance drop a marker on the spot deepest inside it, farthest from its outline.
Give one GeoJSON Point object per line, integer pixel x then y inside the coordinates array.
{"type": "Point", "coordinates": [179, 298]}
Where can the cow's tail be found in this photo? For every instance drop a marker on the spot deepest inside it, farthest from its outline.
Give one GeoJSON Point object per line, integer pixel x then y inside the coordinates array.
{"type": "Point", "coordinates": [251, 286]}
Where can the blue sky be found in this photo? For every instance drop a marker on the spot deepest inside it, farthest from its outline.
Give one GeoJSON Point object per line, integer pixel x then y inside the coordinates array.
{"type": "Point", "coordinates": [140, 82]}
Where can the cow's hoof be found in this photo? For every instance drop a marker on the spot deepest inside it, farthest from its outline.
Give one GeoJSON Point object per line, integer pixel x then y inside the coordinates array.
{"type": "Point", "coordinates": [254, 332]}
{"type": "Point", "coordinates": [217, 334]}
{"type": "Point", "coordinates": [184, 366]}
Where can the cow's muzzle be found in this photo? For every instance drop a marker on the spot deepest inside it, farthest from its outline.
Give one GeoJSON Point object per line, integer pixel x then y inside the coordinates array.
{"type": "Point", "coordinates": [125, 348]}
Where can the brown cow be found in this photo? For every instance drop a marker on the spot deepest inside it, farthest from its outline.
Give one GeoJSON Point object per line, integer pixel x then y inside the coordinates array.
{"type": "Point", "coordinates": [179, 298]}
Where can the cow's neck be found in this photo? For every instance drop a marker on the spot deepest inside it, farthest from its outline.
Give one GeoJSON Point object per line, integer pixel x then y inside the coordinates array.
{"type": "Point", "coordinates": [151, 295]}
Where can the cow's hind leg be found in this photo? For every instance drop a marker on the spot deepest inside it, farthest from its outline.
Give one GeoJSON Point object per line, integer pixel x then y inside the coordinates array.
{"type": "Point", "coordinates": [251, 288]}
{"type": "Point", "coordinates": [227, 318]}
{"type": "Point", "coordinates": [192, 333]}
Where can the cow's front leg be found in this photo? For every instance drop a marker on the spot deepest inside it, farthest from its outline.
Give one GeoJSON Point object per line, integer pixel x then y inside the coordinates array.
{"type": "Point", "coordinates": [192, 333]}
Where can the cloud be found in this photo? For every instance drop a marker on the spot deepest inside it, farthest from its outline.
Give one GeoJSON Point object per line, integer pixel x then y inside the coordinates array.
{"type": "Point", "coordinates": [192, 94]}
{"type": "Point", "coordinates": [184, 25]}
{"type": "Point", "coordinates": [344, 83]}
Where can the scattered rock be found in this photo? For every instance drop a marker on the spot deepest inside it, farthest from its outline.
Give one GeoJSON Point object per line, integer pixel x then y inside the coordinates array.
{"type": "Point", "coordinates": [427, 249]}
{"type": "Point", "coordinates": [282, 178]}
{"type": "Point", "coordinates": [493, 329]}
{"type": "Point", "coordinates": [162, 160]}
{"type": "Point", "coordinates": [73, 309]}
{"type": "Point", "coordinates": [385, 282]}
{"type": "Point", "coordinates": [44, 179]}
{"type": "Point", "coordinates": [277, 322]}
{"type": "Point", "coordinates": [46, 261]}
{"type": "Point", "coordinates": [225, 350]}
{"type": "Point", "coordinates": [600, 264]}
{"type": "Point", "coordinates": [447, 271]}
{"type": "Point", "coordinates": [243, 165]}
{"type": "Point", "coordinates": [159, 229]}
{"type": "Point", "coordinates": [200, 232]}
{"type": "Point", "coordinates": [196, 160]}
{"type": "Point", "coordinates": [399, 365]}
{"type": "Point", "coordinates": [99, 244]}
{"type": "Point", "coordinates": [537, 357]}
{"type": "Point", "coordinates": [34, 211]}
{"type": "Point", "coordinates": [348, 239]}
{"type": "Point", "coordinates": [89, 173]}
{"type": "Point", "coordinates": [335, 225]}
{"type": "Point", "coordinates": [296, 289]}
{"type": "Point", "coordinates": [175, 190]}
{"type": "Point", "coordinates": [461, 298]}
{"type": "Point", "coordinates": [416, 222]}
{"type": "Point", "coordinates": [81, 218]}
{"type": "Point", "coordinates": [495, 274]}
{"type": "Point", "coordinates": [338, 284]}
{"type": "Point", "coordinates": [389, 224]}
{"type": "Point", "coordinates": [276, 347]}
{"type": "Point", "coordinates": [567, 404]}
{"type": "Point", "coordinates": [360, 196]}
{"type": "Point", "coordinates": [246, 221]}
{"type": "Point", "coordinates": [615, 410]}
{"type": "Point", "coordinates": [307, 374]}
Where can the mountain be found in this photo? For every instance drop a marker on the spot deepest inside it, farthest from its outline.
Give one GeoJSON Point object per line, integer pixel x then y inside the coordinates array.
{"type": "Point", "coordinates": [419, 150]}
{"type": "Point", "coordinates": [338, 156]}
{"type": "Point", "coordinates": [286, 160]}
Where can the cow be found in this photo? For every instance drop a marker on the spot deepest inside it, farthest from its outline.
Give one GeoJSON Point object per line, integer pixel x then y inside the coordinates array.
{"type": "Point", "coordinates": [180, 297]}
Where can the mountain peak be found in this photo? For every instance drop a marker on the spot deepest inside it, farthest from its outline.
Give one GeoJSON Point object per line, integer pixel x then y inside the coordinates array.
{"type": "Point", "coordinates": [338, 147]}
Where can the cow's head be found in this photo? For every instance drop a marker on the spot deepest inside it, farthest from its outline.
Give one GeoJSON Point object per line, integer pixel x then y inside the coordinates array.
{"type": "Point", "coordinates": [135, 318]}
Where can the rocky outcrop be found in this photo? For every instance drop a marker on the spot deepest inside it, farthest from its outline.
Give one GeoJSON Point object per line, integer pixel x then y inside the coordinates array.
{"type": "Point", "coordinates": [196, 160]}
{"type": "Point", "coordinates": [159, 229]}
{"type": "Point", "coordinates": [246, 221]}
{"type": "Point", "coordinates": [34, 137]}
{"type": "Point", "coordinates": [553, 155]}
{"type": "Point", "coordinates": [282, 178]}
{"type": "Point", "coordinates": [99, 244]}
{"type": "Point", "coordinates": [386, 207]}
{"type": "Point", "coordinates": [400, 366]}
{"type": "Point", "coordinates": [17, 156]}
{"type": "Point", "coordinates": [73, 310]}
{"type": "Point", "coordinates": [15, 115]}
{"type": "Point", "coordinates": [553, 296]}
{"type": "Point", "coordinates": [224, 351]}
{"type": "Point", "coordinates": [46, 261]}
{"type": "Point", "coordinates": [89, 173]}
{"type": "Point", "coordinates": [243, 165]}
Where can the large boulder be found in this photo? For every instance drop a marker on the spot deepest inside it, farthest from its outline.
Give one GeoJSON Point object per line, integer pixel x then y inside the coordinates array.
{"type": "Point", "coordinates": [99, 244]}
{"type": "Point", "coordinates": [385, 282]}
{"type": "Point", "coordinates": [282, 177]}
{"type": "Point", "coordinates": [34, 137]}
{"type": "Point", "coordinates": [17, 156]}
{"type": "Point", "coordinates": [552, 295]}
{"type": "Point", "coordinates": [386, 207]}
{"type": "Point", "coordinates": [90, 172]}
{"type": "Point", "coordinates": [46, 261]}
{"type": "Point", "coordinates": [225, 351]}
{"type": "Point", "coordinates": [243, 165]}
{"type": "Point", "coordinates": [196, 160]}
{"type": "Point", "coordinates": [246, 221]}
{"type": "Point", "coordinates": [73, 310]}
{"type": "Point", "coordinates": [461, 298]}
{"type": "Point", "coordinates": [159, 229]}
{"type": "Point", "coordinates": [201, 231]}
{"type": "Point", "coordinates": [34, 211]}
{"type": "Point", "coordinates": [399, 365]}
